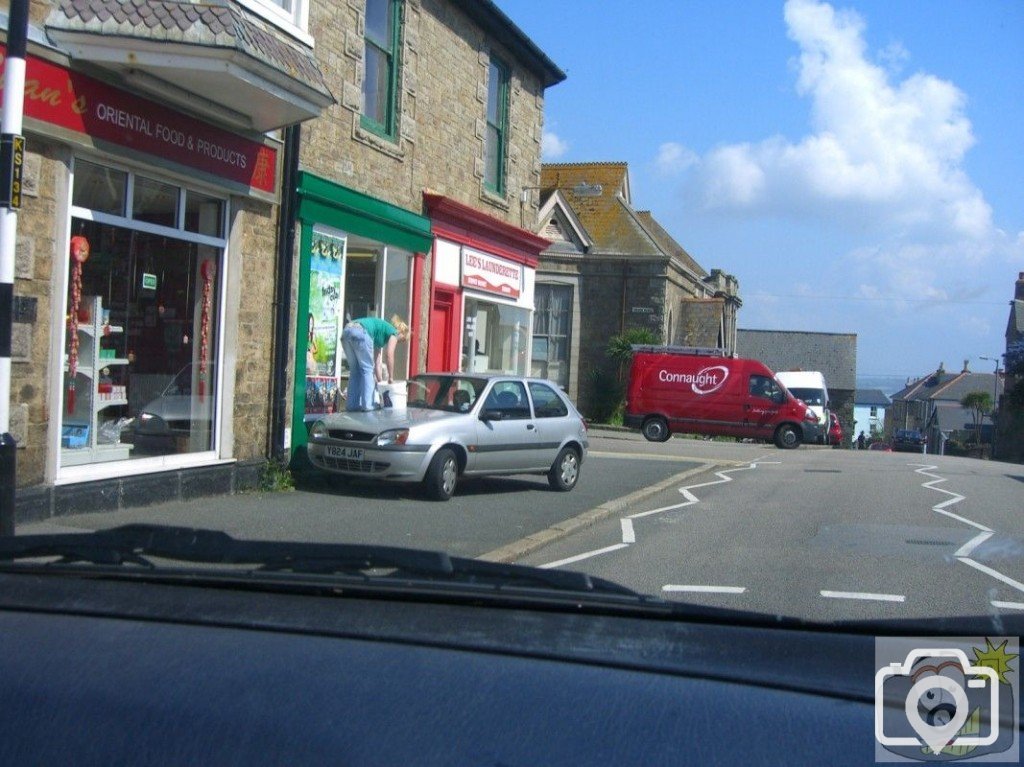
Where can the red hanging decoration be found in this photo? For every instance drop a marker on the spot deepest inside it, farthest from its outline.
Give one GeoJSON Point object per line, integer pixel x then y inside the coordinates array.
{"type": "Point", "coordinates": [207, 270]}
{"type": "Point", "coordinates": [79, 255]}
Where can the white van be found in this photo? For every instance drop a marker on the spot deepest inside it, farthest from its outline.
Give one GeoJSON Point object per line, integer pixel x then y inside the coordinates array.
{"type": "Point", "coordinates": [809, 386]}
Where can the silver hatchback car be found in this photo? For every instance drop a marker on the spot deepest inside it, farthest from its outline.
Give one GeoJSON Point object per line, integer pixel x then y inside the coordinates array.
{"type": "Point", "coordinates": [458, 425]}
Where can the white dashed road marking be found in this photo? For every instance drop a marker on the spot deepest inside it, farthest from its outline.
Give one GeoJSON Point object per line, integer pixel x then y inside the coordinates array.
{"type": "Point", "coordinates": [864, 595]}
{"type": "Point", "coordinates": [705, 589]}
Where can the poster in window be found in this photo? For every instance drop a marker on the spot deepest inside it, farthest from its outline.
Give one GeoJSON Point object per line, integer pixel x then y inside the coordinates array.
{"type": "Point", "coordinates": [325, 274]}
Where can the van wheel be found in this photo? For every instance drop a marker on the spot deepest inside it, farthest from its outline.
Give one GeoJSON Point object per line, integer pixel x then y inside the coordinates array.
{"type": "Point", "coordinates": [565, 471]}
{"type": "Point", "coordinates": [442, 475]}
{"type": "Point", "coordinates": [787, 437]}
{"type": "Point", "coordinates": [656, 429]}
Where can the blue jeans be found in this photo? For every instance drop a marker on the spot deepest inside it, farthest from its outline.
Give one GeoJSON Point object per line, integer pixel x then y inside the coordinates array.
{"type": "Point", "coordinates": [358, 348]}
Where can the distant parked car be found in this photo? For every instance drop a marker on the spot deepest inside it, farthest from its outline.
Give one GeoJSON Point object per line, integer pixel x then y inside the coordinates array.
{"type": "Point", "coordinates": [454, 426]}
{"type": "Point", "coordinates": [883, 447]}
{"type": "Point", "coordinates": [835, 430]}
{"type": "Point", "coordinates": [908, 441]}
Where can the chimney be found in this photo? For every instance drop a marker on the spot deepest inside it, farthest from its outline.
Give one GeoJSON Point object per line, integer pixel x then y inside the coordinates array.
{"type": "Point", "coordinates": [1018, 292]}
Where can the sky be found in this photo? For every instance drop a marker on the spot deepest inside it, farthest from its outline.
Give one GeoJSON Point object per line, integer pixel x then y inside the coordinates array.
{"type": "Point", "coordinates": [858, 166]}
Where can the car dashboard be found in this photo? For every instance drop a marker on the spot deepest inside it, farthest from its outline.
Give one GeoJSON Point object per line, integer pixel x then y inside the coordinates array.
{"type": "Point", "coordinates": [113, 670]}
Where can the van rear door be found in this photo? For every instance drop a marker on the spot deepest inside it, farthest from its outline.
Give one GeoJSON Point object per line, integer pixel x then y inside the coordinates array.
{"type": "Point", "coordinates": [765, 399]}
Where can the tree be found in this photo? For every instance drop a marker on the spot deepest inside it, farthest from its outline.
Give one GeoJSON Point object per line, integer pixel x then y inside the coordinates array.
{"type": "Point", "coordinates": [980, 405]}
{"type": "Point", "coordinates": [620, 347]}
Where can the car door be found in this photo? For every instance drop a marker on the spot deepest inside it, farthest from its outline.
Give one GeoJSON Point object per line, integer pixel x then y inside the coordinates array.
{"type": "Point", "coordinates": [508, 438]}
{"type": "Point", "coordinates": [554, 421]}
{"type": "Point", "coordinates": [761, 409]}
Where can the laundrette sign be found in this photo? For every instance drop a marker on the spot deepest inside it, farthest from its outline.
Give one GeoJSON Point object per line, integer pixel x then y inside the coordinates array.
{"type": "Point", "coordinates": [85, 105]}
{"type": "Point", "coordinates": [491, 274]}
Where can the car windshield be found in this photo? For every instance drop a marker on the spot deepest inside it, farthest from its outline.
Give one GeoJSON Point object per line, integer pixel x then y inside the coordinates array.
{"type": "Point", "coordinates": [455, 394]}
{"type": "Point", "coordinates": [520, 282]}
{"type": "Point", "coordinates": [809, 396]}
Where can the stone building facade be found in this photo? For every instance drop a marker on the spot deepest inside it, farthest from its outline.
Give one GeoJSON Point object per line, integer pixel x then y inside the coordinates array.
{"type": "Point", "coordinates": [611, 268]}
{"type": "Point", "coordinates": [403, 183]}
{"type": "Point", "coordinates": [152, 185]}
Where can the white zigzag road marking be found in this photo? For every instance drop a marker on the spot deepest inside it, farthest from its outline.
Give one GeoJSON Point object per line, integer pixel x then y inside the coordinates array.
{"type": "Point", "coordinates": [986, 532]}
{"type": "Point", "coordinates": [629, 533]}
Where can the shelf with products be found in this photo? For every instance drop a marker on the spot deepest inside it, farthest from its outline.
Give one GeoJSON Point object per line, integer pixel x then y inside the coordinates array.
{"type": "Point", "coordinates": [94, 383]}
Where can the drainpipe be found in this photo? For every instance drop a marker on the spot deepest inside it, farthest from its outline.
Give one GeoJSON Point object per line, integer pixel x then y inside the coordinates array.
{"type": "Point", "coordinates": [283, 295]}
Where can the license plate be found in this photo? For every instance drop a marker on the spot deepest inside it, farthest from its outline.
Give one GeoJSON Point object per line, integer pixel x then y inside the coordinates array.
{"type": "Point", "coordinates": [348, 453]}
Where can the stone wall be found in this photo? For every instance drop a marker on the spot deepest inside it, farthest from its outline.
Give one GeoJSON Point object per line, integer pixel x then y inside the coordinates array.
{"type": "Point", "coordinates": [36, 285]}
{"type": "Point", "coordinates": [441, 107]}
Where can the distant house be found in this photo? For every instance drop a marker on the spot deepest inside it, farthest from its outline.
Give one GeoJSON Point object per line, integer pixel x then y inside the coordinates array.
{"type": "Point", "coordinates": [869, 406]}
{"type": "Point", "coordinates": [834, 355]}
{"type": "Point", "coordinates": [931, 404]}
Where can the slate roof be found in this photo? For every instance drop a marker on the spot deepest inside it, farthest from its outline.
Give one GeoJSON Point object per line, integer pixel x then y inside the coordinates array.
{"type": "Point", "coordinates": [949, 387]}
{"type": "Point", "coordinates": [870, 398]}
{"type": "Point", "coordinates": [833, 354]}
{"type": "Point", "coordinates": [202, 24]}
{"type": "Point", "coordinates": [1015, 325]}
{"type": "Point", "coordinates": [608, 217]}
{"type": "Point", "coordinates": [668, 244]}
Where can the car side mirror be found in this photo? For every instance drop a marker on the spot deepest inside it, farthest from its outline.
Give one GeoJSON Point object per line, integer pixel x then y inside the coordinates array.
{"type": "Point", "coordinates": [491, 415]}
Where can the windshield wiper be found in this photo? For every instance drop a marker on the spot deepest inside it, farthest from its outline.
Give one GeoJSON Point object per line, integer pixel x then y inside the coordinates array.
{"type": "Point", "coordinates": [139, 544]}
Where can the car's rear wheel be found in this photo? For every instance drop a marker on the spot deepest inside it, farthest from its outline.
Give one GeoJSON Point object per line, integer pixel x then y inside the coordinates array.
{"type": "Point", "coordinates": [565, 471]}
{"type": "Point", "coordinates": [655, 429]}
{"type": "Point", "coordinates": [442, 475]}
{"type": "Point", "coordinates": [787, 437]}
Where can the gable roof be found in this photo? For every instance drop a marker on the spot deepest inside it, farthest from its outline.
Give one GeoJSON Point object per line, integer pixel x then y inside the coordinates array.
{"type": "Point", "coordinates": [1015, 324]}
{"type": "Point", "coordinates": [604, 208]}
{"type": "Point", "coordinates": [949, 387]}
{"type": "Point", "coordinates": [560, 224]}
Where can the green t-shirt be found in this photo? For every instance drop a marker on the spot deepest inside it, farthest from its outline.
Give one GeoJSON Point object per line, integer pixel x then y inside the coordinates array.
{"type": "Point", "coordinates": [379, 330]}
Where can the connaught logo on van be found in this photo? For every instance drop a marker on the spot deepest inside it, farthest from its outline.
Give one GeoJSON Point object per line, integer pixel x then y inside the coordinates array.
{"type": "Point", "coordinates": [705, 381]}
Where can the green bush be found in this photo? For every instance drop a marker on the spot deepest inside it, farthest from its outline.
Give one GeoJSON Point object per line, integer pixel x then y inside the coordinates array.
{"type": "Point", "coordinates": [276, 478]}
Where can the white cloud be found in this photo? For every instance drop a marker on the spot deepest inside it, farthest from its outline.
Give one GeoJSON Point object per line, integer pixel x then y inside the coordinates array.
{"type": "Point", "coordinates": [883, 154]}
{"type": "Point", "coordinates": [551, 146]}
{"type": "Point", "coordinates": [673, 158]}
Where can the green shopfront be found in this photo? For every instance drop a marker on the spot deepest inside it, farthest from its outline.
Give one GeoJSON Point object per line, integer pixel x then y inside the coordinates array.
{"type": "Point", "coordinates": [358, 256]}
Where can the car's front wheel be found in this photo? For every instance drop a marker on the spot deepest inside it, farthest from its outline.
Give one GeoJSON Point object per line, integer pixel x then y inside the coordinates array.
{"type": "Point", "coordinates": [787, 437]}
{"type": "Point", "coordinates": [442, 475]}
{"type": "Point", "coordinates": [565, 471]}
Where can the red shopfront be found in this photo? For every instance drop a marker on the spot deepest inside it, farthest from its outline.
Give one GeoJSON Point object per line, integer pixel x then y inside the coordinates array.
{"type": "Point", "coordinates": [141, 207]}
{"type": "Point", "coordinates": [481, 290]}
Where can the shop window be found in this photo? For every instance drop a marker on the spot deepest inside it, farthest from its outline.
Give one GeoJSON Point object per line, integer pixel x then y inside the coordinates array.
{"type": "Point", "coordinates": [380, 60]}
{"type": "Point", "coordinates": [497, 126]}
{"type": "Point", "coordinates": [204, 214]}
{"type": "Point", "coordinates": [350, 278]}
{"type": "Point", "coordinates": [100, 189]}
{"type": "Point", "coordinates": [142, 334]}
{"type": "Point", "coordinates": [496, 337]}
{"type": "Point", "coordinates": [552, 323]}
{"type": "Point", "coordinates": [155, 202]}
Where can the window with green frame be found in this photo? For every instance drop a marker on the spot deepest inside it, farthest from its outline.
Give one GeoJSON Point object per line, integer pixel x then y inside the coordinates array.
{"type": "Point", "coordinates": [497, 126]}
{"type": "Point", "coordinates": [380, 79]}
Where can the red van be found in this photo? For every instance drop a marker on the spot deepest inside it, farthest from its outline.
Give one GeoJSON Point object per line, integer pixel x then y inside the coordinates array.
{"type": "Point", "coordinates": [702, 391]}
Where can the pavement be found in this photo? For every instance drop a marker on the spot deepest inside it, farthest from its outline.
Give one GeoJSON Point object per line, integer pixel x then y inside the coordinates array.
{"type": "Point", "coordinates": [497, 518]}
